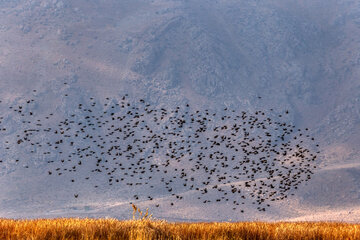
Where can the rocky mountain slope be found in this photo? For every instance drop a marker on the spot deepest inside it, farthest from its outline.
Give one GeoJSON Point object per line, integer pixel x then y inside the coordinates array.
{"type": "Point", "coordinates": [299, 57]}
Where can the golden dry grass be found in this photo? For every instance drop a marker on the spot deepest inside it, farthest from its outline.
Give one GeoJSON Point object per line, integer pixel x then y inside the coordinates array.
{"type": "Point", "coordinates": [71, 228]}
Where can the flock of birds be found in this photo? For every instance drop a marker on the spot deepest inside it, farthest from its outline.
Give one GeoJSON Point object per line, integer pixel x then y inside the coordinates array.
{"type": "Point", "coordinates": [222, 156]}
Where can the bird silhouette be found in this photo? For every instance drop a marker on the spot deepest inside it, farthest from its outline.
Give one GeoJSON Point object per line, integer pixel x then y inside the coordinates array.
{"type": "Point", "coordinates": [217, 155]}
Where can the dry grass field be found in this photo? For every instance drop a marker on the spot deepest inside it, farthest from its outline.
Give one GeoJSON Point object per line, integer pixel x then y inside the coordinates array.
{"type": "Point", "coordinates": [142, 226]}
{"type": "Point", "coordinates": [70, 228]}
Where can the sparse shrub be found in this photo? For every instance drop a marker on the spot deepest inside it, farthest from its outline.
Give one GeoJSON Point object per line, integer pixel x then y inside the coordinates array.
{"type": "Point", "coordinates": [141, 216]}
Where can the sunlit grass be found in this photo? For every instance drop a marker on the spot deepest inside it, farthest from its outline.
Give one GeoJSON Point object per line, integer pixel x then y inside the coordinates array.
{"type": "Point", "coordinates": [72, 228]}
{"type": "Point", "coordinates": [142, 226]}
